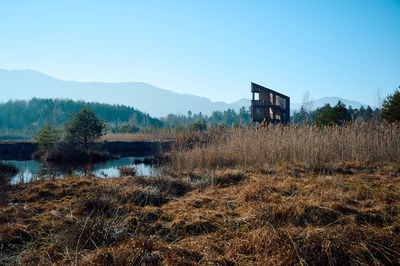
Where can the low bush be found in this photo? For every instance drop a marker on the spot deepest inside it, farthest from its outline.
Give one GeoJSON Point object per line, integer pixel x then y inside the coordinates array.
{"type": "Point", "coordinates": [65, 152]}
{"type": "Point", "coordinates": [7, 171]}
{"type": "Point", "coordinates": [127, 170]}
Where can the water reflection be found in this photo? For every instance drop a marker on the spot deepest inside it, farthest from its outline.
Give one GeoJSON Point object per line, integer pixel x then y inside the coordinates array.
{"type": "Point", "coordinates": [32, 170]}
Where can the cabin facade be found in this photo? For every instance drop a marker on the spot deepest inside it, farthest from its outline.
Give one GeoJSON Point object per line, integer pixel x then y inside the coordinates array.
{"type": "Point", "coordinates": [269, 106]}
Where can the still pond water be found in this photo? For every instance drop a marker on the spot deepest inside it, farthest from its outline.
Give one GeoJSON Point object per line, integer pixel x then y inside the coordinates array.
{"type": "Point", "coordinates": [32, 170]}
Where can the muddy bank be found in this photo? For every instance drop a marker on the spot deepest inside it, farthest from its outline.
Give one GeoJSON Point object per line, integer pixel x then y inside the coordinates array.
{"type": "Point", "coordinates": [23, 150]}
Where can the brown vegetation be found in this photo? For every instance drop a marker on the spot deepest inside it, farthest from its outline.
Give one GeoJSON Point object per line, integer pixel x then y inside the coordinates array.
{"type": "Point", "coordinates": [127, 170]}
{"type": "Point", "coordinates": [68, 153]}
{"type": "Point", "coordinates": [278, 144]}
{"type": "Point", "coordinates": [161, 134]}
{"type": "Point", "coordinates": [267, 203]}
{"type": "Point", "coordinates": [286, 215]}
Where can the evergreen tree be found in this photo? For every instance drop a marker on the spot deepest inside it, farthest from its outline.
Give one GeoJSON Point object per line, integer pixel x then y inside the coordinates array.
{"type": "Point", "coordinates": [369, 114]}
{"type": "Point", "coordinates": [324, 116]}
{"type": "Point", "coordinates": [391, 107]}
{"type": "Point", "coordinates": [327, 116]}
{"type": "Point", "coordinates": [48, 137]}
{"type": "Point", "coordinates": [340, 114]}
{"type": "Point", "coordinates": [84, 127]}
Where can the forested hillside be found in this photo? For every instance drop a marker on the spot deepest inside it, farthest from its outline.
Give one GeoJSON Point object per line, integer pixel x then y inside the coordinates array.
{"type": "Point", "coordinates": [28, 116]}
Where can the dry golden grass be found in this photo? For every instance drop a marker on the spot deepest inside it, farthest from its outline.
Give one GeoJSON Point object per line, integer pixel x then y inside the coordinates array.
{"type": "Point", "coordinates": [282, 215]}
{"type": "Point", "coordinates": [158, 135]}
{"type": "Point", "coordinates": [278, 144]}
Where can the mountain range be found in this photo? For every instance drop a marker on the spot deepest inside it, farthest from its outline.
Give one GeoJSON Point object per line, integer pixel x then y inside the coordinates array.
{"type": "Point", "coordinates": [314, 104]}
{"type": "Point", "coordinates": [158, 102]}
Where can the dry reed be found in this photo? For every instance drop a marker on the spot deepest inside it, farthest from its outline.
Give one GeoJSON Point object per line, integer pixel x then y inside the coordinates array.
{"type": "Point", "coordinates": [278, 144]}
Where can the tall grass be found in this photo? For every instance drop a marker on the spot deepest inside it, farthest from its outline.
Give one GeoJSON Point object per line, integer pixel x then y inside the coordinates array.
{"type": "Point", "coordinates": [274, 144]}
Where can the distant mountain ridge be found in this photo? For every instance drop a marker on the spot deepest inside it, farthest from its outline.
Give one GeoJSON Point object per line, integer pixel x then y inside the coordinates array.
{"type": "Point", "coordinates": [157, 102]}
{"type": "Point", "coordinates": [26, 84]}
{"type": "Point", "coordinates": [314, 104]}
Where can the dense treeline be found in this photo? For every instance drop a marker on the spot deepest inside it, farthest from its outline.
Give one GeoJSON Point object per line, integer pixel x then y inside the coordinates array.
{"type": "Point", "coordinates": [337, 114]}
{"type": "Point", "coordinates": [229, 118]}
{"type": "Point", "coordinates": [30, 116]}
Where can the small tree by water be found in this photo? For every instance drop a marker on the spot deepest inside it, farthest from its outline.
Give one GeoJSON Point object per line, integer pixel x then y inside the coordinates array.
{"type": "Point", "coordinates": [84, 128]}
{"type": "Point", "coordinates": [48, 137]}
{"type": "Point", "coordinates": [79, 133]}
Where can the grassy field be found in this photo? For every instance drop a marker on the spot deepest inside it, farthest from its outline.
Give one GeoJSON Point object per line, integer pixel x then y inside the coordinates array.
{"type": "Point", "coordinates": [243, 196]}
{"type": "Point", "coordinates": [158, 135]}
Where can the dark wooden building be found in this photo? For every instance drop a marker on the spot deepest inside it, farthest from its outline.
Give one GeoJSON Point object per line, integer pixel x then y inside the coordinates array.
{"type": "Point", "coordinates": [269, 106]}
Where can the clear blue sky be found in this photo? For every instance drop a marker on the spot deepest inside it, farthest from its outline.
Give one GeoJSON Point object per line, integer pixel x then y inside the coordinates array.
{"type": "Point", "coordinates": [214, 48]}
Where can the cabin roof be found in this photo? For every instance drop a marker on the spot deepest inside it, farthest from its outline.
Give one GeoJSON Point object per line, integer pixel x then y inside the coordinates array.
{"type": "Point", "coordinates": [259, 87]}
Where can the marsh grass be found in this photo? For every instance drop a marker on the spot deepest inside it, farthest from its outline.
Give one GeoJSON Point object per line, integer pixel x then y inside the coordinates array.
{"type": "Point", "coordinates": [285, 145]}
{"type": "Point", "coordinates": [237, 196]}
{"type": "Point", "coordinates": [287, 215]}
{"type": "Point", "coordinates": [160, 134]}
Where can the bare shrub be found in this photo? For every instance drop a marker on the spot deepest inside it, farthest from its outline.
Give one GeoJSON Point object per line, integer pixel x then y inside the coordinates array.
{"type": "Point", "coordinates": [127, 170]}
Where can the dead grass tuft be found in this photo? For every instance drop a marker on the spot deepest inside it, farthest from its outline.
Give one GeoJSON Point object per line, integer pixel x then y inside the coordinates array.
{"type": "Point", "coordinates": [227, 178]}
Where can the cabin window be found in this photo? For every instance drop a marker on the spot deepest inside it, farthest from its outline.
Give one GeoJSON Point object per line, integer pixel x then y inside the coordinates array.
{"type": "Point", "coordinates": [283, 103]}
{"type": "Point", "coordinates": [256, 96]}
{"type": "Point", "coordinates": [258, 111]}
